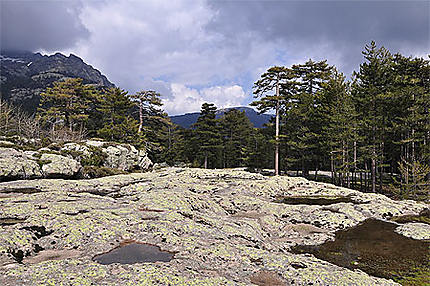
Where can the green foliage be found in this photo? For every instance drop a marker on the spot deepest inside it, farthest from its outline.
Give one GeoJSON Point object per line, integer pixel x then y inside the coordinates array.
{"type": "Point", "coordinates": [65, 105]}
{"type": "Point", "coordinates": [370, 132]}
{"type": "Point", "coordinates": [207, 137]}
{"type": "Point", "coordinates": [154, 124]}
{"type": "Point", "coordinates": [235, 130]}
{"type": "Point", "coordinates": [117, 123]}
{"type": "Point", "coordinates": [96, 158]}
{"type": "Point", "coordinates": [90, 172]}
{"type": "Point", "coordinates": [414, 180]}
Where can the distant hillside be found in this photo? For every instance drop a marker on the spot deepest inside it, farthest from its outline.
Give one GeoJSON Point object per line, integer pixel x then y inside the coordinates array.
{"type": "Point", "coordinates": [24, 75]}
{"type": "Point", "coordinates": [188, 119]}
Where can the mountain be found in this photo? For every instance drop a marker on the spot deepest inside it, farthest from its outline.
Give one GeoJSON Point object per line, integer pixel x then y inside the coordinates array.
{"type": "Point", "coordinates": [188, 119]}
{"type": "Point", "coordinates": [24, 75]}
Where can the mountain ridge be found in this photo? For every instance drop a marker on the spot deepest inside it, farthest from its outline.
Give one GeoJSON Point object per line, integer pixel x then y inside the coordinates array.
{"type": "Point", "coordinates": [188, 119]}
{"type": "Point", "coordinates": [24, 75]}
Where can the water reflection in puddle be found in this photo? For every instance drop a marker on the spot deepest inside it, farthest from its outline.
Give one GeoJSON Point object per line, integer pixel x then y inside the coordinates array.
{"type": "Point", "coordinates": [375, 248]}
{"type": "Point", "coordinates": [134, 253]}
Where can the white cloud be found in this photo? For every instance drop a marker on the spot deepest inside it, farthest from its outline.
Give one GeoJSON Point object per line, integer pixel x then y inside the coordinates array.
{"type": "Point", "coordinates": [171, 45]}
{"type": "Point", "coordinates": [157, 44]}
{"type": "Point", "coordinates": [185, 99]}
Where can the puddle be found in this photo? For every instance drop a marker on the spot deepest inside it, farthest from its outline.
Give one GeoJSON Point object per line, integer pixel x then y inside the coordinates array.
{"type": "Point", "coordinates": [315, 200]}
{"type": "Point", "coordinates": [423, 217]}
{"type": "Point", "coordinates": [134, 253]}
{"type": "Point", "coordinates": [11, 220]}
{"type": "Point", "coordinates": [375, 248]}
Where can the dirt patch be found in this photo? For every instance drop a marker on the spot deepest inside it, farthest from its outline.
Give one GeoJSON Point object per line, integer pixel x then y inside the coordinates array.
{"type": "Point", "coordinates": [52, 254]}
{"type": "Point", "coordinates": [267, 278]}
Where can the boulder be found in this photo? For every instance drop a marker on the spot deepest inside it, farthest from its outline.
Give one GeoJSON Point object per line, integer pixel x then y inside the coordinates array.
{"type": "Point", "coordinates": [16, 164]}
{"type": "Point", "coordinates": [59, 166]}
{"type": "Point", "coordinates": [76, 147]}
{"type": "Point", "coordinates": [124, 157]}
{"type": "Point", "coordinates": [144, 162]}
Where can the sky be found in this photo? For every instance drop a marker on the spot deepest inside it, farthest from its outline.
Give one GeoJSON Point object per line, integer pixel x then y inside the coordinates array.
{"type": "Point", "coordinates": [195, 51]}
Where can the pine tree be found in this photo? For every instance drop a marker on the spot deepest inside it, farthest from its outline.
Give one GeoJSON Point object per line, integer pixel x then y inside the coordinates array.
{"type": "Point", "coordinates": [149, 104]}
{"type": "Point", "coordinates": [207, 136]}
{"type": "Point", "coordinates": [339, 129]}
{"type": "Point", "coordinates": [236, 131]}
{"type": "Point", "coordinates": [260, 154]}
{"type": "Point", "coordinates": [154, 123]}
{"type": "Point", "coordinates": [118, 125]}
{"type": "Point", "coordinates": [174, 144]}
{"type": "Point", "coordinates": [273, 89]}
{"type": "Point", "coordinates": [307, 114]}
{"type": "Point", "coordinates": [412, 122]}
{"type": "Point", "coordinates": [373, 86]}
{"type": "Point", "coordinates": [66, 105]}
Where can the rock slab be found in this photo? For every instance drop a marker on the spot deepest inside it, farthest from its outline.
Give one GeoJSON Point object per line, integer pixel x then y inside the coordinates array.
{"type": "Point", "coordinates": [224, 226]}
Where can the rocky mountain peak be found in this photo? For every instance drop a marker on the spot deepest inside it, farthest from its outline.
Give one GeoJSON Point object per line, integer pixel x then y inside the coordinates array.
{"type": "Point", "coordinates": [24, 75]}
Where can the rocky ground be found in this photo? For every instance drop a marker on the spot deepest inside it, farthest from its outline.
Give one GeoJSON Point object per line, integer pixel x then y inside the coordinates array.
{"type": "Point", "coordinates": [226, 227]}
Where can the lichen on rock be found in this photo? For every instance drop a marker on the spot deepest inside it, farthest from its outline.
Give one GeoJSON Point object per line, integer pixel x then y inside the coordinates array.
{"type": "Point", "coordinates": [224, 226]}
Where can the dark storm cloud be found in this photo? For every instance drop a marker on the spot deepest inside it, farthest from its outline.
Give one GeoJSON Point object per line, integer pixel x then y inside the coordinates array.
{"type": "Point", "coordinates": [36, 25]}
{"type": "Point", "coordinates": [198, 51]}
{"type": "Point", "coordinates": [346, 26]}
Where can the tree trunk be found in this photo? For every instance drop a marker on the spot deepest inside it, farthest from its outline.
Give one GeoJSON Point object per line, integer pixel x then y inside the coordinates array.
{"type": "Point", "coordinates": [316, 172]}
{"type": "Point", "coordinates": [373, 171]}
{"type": "Point", "coordinates": [332, 167]}
{"type": "Point", "coordinates": [277, 131]}
{"type": "Point", "coordinates": [206, 161]}
{"type": "Point", "coordinates": [140, 116]}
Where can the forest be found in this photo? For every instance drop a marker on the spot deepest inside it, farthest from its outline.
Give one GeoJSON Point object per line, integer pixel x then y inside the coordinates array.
{"type": "Point", "coordinates": [370, 132]}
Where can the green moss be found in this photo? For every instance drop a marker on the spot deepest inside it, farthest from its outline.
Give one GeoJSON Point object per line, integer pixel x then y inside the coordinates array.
{"type": "Point", "coordinates": [73, 153]}
{"type": "Point", "coordinates": [96, 158]}
{"type": "Point", "coordinates": [98, 172]}
{"type": "Point", "coordinates": [43, 162]}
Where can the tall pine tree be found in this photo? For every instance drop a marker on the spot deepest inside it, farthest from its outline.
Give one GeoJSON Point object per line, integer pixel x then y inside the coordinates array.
{"type": "Point", "coordinates": [207, 136]}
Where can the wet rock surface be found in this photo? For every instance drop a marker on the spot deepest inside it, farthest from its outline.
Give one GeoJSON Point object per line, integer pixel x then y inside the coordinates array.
{"type": "Point", "coordinates": [376, 247]}
{"type": "Point", "coordinates": [223, 226]}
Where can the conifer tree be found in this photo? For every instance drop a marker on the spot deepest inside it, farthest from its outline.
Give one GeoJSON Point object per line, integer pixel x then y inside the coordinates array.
{"type": "Point", "coordinates": [207, 136]}
{"type": "Point", "coordinates": [307, 112]}
{"type": "Point", "coordinates": [174, 144]}
{"type": "Point", "coordinates": [273, 88]}
{"type": "Point", "coordinates": [236, 131]}
{"type": "Point", "coordinates": [66, 105]}
{"type": "Point", "coordinates": [411, 98]}
{"type": "Point", "coordinates": [149, 104]}
{"type": "Point", "coordinates": [118, 125]}
{"type": "Point", "coordinates": [154, 123]}
{"type": "Point", "coordinates": [339, 129]}
{"type": "Point", "coordinates": [372, 90]}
